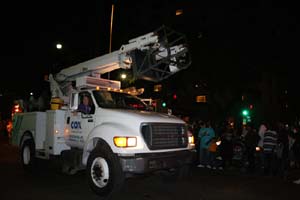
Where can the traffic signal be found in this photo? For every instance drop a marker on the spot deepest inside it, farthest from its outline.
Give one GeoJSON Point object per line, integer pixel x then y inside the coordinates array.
{"type": "Point", "coordinates": [174, 96]}
{"type": "Point", "coordinates": [245, 112]}
{"type": "Point", "coordinates": [164, 104]}
{"type": "Point", "coordinates": [246, 116]}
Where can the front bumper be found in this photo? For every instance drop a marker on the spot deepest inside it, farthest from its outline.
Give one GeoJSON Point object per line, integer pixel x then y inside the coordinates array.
{"type": "Point", "coordinates": [149, 162]}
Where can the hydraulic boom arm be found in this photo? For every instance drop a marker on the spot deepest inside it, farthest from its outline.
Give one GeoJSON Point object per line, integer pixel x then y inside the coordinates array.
{"type": "Point", "coordinates": [154, 56]}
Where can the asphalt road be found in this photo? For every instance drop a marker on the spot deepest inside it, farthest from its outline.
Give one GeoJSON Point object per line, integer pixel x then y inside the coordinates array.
{"type": "Point", "coordinates": [203, 184]}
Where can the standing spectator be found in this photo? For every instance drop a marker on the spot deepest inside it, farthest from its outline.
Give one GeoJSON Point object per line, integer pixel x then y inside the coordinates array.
{"type": "Point", "coordinates": [196, 130]}
{"type": "Point", "coordinates": [212, 151]}
{"type": "Point", "coordinates": [296, 151]}
{"type": "Point", "coordinates": [226, 147]}
{"type": "Point", "coordinates": [269, 145]}
{"type": "Point", "coordinates": [296, 148]}
{"type": "Point", "coordinates": [291, 138]}
{"type": "Point", "coordinates": [251, 141]}
{"type": "Point", "coordinates": [202, 151]}
{"type": "Point", "coordinates": [209, 142]}
{"type": "Point", "coordinates": [205, 134]}
{"type": "Point", "coordinates": [282, 150]}
{"type": "Point", "coordinates": [261, 132]}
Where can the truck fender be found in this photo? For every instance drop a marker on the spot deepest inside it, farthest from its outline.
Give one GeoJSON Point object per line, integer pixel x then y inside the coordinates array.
{"type": "Point", "coordinates": [104, 132]}
{"type": "Point", "coordinates": [25, 136]}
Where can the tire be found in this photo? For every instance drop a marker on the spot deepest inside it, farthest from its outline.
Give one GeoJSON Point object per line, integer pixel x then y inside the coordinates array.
{"type": "Point", "coordinates": [104, 172]}
{"type": "Point", "coordinates": [28, 155]}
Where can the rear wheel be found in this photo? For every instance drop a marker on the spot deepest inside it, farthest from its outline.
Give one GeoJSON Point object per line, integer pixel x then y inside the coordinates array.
{"type": "Point", "coordinates": [28, 155]}
{"type": "Point", "coordinates": [104, 171]}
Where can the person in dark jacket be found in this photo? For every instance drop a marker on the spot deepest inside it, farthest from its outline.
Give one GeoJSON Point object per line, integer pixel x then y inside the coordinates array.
{"type": "Point", "coordinates": [251, 141]}
{"type": "Point", "coordinates": [226, 147]}
{"type": "Point", "coordinates": [282, 150]}
{"type": "Point", "coordinates": [296, 150]}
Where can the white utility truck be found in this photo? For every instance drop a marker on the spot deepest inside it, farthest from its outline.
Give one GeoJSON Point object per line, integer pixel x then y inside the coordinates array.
{"type": "Point", "coordinates": [120, 136]}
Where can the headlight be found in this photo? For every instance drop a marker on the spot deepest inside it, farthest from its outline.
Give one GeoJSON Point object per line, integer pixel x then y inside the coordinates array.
{"type": "Point", "coordinates": [191, 138]}
{"type": "Point", "coordinates": [218, 142]}
{"type": "Point", "coordinates": [125, 141]}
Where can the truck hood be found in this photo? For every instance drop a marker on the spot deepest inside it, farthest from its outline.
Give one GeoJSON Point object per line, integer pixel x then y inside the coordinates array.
{"type": "Point", "coordinates": [138, 116]}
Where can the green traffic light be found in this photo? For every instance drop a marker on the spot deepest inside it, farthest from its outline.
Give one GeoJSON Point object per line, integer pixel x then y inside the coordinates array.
{"type": "Point", "coordinates": [164, 104]}
{"type": "Point", "coordinates": [245, 112]}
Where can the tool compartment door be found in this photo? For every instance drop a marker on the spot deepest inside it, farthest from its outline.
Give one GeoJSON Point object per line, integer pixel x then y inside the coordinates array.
{"type": "Point", "coordinates": [55, 142]}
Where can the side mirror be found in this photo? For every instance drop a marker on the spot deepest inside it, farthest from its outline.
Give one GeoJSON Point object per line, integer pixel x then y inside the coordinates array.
{"type": "Point", "coordinates": [74, 101]}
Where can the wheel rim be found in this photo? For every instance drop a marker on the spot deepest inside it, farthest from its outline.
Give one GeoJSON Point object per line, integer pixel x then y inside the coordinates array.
{"type": "Point", "coordinates": [26, 155]}
{"type": "Point", "coordinates": [100, 172]}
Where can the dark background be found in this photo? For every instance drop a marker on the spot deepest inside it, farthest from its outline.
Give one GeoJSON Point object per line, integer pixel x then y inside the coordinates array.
{"type": "Point", "coordinates": [239, 48]}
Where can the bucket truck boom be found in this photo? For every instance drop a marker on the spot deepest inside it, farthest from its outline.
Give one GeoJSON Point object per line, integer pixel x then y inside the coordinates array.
{"type": "Point", "coordinates": [153, 56]}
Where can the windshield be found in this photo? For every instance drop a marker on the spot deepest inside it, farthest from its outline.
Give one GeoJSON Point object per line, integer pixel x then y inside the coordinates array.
{"type": "Point", "coordinates": [109, 99]}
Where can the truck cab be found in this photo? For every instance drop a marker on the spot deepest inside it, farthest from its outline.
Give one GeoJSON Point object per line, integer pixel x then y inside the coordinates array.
{"type": "Point", "coordinates": [127, 125]}
{"type": "Point", "coordinates": [121, 137]}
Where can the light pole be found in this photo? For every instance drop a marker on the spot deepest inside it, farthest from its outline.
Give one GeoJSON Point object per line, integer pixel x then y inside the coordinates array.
{"type": "Point", "coordinates": [111, 26]}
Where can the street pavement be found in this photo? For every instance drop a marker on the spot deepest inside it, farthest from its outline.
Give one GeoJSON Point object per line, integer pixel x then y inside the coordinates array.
{"type": "Point", "coordinates": [203, 184]}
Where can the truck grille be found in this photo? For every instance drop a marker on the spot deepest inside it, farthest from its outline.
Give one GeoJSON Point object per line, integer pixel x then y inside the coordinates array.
{"type": "Point", "coordinates": [164, 135]}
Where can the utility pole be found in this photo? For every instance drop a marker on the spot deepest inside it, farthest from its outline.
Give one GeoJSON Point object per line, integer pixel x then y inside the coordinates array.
{"type": "Point", "coordinates": [111, 26]}
{"type": "Point", "coordinates": [110, 34]}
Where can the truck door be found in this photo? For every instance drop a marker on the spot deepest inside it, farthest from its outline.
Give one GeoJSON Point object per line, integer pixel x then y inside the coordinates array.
{"type": "Point", "coordinates": [81, 120]}
{"type": "Point", "coordinates": [87, 116]}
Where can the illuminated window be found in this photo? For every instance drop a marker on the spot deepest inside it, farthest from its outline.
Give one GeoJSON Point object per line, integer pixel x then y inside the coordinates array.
{"type": "Point", "coordinates": [201, 99]}
{"type": "Point", "coordinates": [157, 88]}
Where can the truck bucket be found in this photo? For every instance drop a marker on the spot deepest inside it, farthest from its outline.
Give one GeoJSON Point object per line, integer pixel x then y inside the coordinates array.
{"type": "Point", "coordinates": [165, 58]}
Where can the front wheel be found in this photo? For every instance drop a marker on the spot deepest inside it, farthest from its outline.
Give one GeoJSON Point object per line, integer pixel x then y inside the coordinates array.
{"type": "Point", "coordinates": [28, 155]}
{"type": "Point", "coordinates": [104, 171]}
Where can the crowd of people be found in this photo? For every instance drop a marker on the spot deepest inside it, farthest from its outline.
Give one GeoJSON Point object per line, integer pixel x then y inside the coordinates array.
{"type": "Point", "coordinates": [271, 148]}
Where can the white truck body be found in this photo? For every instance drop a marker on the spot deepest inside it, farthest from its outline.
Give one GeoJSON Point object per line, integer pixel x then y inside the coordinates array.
{"type": "Point", "coordinates": [47, 129]}
{"type": "Point", "coordinates": [57, 130]}
{"type": "Point", "coordinates": [120, 136]}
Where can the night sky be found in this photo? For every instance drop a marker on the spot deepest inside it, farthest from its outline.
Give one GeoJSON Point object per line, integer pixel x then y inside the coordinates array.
{"type": "Point", "coordinates": [231, 41]}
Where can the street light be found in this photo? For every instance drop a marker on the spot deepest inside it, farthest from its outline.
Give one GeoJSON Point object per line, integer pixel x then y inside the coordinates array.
{"type": "Point", "coordinates": [59, 46]}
